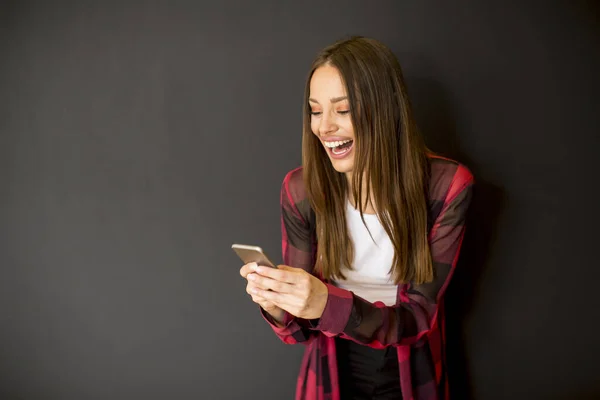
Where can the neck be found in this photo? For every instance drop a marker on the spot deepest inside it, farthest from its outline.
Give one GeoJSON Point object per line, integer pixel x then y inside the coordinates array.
{"type": "Point", "coordinates": [367, 204]}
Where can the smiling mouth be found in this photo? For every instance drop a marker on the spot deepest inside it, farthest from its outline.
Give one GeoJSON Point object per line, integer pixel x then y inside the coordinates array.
{"type": "Point", "coordinates": [339, 148]}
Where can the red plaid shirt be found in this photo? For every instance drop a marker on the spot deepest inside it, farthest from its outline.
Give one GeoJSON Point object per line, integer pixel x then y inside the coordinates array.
{"type": "Point", "coordinates": [415, 325]}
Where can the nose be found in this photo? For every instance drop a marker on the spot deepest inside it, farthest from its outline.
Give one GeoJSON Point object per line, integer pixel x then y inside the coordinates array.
{"type": "Point", "coordinates": [326, 125]}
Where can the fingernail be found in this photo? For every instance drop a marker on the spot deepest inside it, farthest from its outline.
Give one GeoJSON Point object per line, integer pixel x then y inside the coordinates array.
{"type": "Point", "coordinates": [253, 290]}
{"type": "Point", "coordinates": [254, 266]}
{"type": "Point", "coordinates": [252, 277]}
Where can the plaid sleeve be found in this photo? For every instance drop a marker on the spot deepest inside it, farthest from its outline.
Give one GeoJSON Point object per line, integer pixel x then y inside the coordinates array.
{"type": "Point", "coordinates": [377, 325]}
{"type": "Point", "coordinates": [298, 248]}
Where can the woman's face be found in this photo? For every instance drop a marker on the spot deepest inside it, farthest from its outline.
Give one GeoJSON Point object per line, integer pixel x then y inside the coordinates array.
{"type": "Point", "coordinates": [330, 117]}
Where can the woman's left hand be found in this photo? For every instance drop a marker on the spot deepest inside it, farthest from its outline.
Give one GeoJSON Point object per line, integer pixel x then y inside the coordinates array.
{"type": "Point", "coordinates": [293, 289]}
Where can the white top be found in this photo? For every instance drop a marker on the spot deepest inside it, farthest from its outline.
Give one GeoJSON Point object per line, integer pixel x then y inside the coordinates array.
{"type": "Point", "coordinates": [370, 277]}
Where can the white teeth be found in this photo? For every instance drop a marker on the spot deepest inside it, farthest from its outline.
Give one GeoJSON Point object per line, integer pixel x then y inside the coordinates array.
{"type": "Point", "coordinates": [336, 144]}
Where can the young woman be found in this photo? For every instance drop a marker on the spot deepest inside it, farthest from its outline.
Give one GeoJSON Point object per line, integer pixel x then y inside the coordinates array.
{"type": "Point", "coordinates": [372, 226]}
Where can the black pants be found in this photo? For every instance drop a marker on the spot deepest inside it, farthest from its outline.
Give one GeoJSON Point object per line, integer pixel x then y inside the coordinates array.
{"type": "Point", "coordinates": [366, 373]}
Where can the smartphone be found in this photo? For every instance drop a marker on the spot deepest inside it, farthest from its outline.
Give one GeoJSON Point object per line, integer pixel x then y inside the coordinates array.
{"type": "Point", "coordinates": [250, 254]}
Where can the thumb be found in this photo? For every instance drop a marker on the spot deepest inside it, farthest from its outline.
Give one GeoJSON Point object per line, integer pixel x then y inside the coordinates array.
{"type": "Point", "coordinates": [286, 268]}
{"type": "Point", "coordinates": [247, 269]}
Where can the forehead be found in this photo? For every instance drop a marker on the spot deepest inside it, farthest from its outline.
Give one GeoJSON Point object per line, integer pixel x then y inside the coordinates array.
{"type": "Point", "coordinates": [326, 83]}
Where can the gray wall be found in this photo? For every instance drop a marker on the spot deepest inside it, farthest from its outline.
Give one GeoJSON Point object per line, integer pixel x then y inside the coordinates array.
{"type": "Point", "coordinates": [138, 141]}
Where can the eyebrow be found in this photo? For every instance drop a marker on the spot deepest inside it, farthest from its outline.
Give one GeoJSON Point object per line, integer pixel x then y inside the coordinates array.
{"type": "Point", "coordinates": [333, 100]}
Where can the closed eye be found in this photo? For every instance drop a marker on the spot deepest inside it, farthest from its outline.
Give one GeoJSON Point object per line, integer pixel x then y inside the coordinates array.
{"type": "Point", "coordinates": [341, 112]}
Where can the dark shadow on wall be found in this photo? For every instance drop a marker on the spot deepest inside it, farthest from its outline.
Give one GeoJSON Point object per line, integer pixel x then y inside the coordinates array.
{"type": "Point", "coordinates": [436, 119]}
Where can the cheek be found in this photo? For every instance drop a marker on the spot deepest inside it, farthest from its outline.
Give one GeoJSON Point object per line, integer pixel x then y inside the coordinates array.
{"type": "Point", "coordinates": [349, 128]}
{"type": "Point", "coordinates": [314, 127]}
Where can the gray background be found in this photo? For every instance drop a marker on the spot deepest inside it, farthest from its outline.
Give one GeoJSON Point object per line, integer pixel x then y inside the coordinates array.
{"type": "Point", "coordinates": [139, 140]}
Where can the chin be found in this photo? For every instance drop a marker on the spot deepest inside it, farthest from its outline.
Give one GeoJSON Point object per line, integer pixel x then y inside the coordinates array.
{"type": "Point", "coordinates": [342, 166]}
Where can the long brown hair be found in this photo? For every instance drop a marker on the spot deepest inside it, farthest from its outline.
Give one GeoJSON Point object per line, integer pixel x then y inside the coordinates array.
{"type": "Point", "coordinates": [389, 152]}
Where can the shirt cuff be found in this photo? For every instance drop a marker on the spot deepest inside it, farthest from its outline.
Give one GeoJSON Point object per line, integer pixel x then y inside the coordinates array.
{"type": "Point", "coordinates": [337, 310]}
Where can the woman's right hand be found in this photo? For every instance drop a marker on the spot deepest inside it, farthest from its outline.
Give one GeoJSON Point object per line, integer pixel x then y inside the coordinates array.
{"type": "Point", "coordinates": [275, 312]}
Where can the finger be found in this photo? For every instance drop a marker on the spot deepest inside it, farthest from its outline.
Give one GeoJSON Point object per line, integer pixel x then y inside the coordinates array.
{"type": "Point", "coordinates": [266, 305]}
{"type": "Point", "coordinates": [291, 275]}
{"type": "Point", "coordinates": [247, 268]}
{"type": "Point", "coordinates": [262, 302]}
{"type": "Point", "coordinates": [286, 267]}
{"type": "Point", "coordinates": [281, 300]}
{"type": "Point", "coordinates": [267, 283]}
{"type": "Point", "coordinates": [252, 291]}
{"type": "Point", "coordinates": [290, 302]}
{"type": "Point", "coordinates": [251, 286]}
